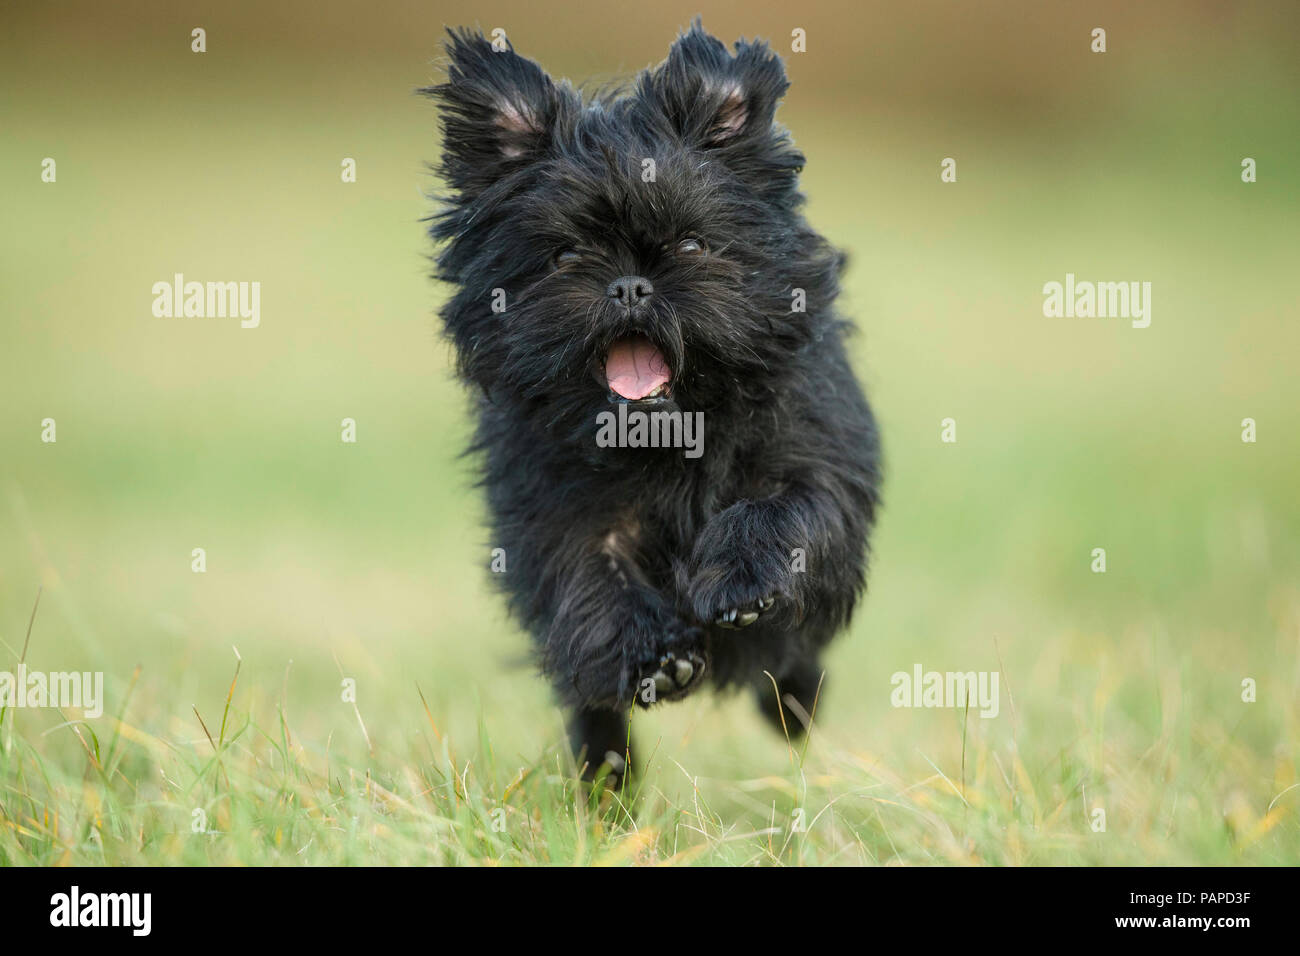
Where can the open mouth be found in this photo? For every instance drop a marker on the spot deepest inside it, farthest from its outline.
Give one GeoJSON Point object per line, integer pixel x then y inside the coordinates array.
{"type": "Point", "coordinates": [635, 371]}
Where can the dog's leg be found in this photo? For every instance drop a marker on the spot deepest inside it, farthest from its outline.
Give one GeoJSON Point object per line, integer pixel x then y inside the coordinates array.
{"type": "Point", "coordinates": [779, 558]}
{"type": "Point", "coordinates": [799, 689]}
{"type": "Point", "coordinates": [612, 640]}
{"type": "Point", "coordinates": [599, 739]}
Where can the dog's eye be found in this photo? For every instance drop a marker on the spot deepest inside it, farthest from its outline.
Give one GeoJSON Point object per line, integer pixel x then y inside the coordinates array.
{"type": "Point", "coordinates": [690, 247]}
{"type": "Point", "coordinates": [566, 257]}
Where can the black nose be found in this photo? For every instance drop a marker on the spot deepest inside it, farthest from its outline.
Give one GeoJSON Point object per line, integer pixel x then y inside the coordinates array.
{"type": "Point", "coordinates": [630, 290]}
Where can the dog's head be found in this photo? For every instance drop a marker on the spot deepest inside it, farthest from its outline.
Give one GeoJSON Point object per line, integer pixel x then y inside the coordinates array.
{"type": "Point", "coordinates": [642, 246]}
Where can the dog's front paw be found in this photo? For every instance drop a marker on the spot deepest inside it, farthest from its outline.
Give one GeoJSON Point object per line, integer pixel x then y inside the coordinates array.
{"type": "Point", "coordinates": [745, 614]}
{"type": "Point", "coordinates": [734, 577]}
{"type": "Point", "coordinates": [672, 675]}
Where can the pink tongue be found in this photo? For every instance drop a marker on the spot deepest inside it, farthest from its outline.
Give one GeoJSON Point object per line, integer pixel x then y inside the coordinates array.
{"type": "Point", "coordinates": [635, 368]}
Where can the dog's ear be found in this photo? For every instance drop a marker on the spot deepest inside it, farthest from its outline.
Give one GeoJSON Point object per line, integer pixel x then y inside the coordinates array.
{"type": "Point", "coordinates": [712, 99]}
{"type": "Point", "coordinates": [497, 110]}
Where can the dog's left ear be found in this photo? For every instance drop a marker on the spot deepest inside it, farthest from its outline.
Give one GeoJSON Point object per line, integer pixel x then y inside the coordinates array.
{"type": "Point", "coordinates": [497, 110]}
{"type": "Point", "coordinates": [712, 99]}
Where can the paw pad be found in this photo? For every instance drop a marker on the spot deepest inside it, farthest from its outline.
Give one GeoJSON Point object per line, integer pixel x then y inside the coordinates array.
{"type": "Point", "coordinates": [672, 676]}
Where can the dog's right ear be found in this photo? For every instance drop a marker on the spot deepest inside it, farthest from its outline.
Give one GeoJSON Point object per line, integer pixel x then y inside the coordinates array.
{"type": "Point", "coordinates": [497, 110]}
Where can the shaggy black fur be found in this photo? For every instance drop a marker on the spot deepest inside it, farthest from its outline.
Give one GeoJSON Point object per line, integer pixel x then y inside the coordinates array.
{"type": "Point", "coordinates": [640, 571]}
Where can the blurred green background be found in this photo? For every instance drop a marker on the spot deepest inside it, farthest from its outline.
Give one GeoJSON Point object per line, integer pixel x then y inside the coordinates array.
{"type": "Point", "coordinates": [369, 561]}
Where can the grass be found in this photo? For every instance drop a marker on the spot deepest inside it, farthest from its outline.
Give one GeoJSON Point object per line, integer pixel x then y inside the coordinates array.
{"type": "Point", "coordinates": [335, 568]}
{"type": "Point", "coordinates": [450, 754]}
{"type": "Point", "coordinates": [256, 792]}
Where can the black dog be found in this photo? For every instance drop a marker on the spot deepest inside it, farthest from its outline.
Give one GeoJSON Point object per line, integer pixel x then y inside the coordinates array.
{"type": "Point", "coordinates": [645, 248]}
